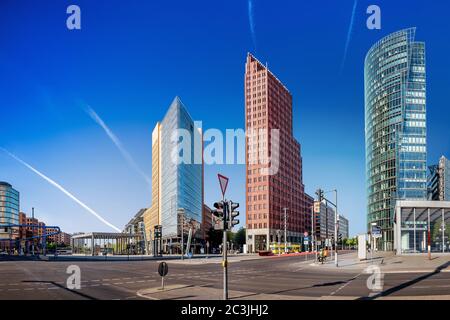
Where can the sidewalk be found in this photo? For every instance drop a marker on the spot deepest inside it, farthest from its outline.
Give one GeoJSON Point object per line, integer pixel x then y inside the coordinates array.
{"type": "Point", "coordinates": [388, 263]}
{"type": "Point", "coordinates": [90, 258]}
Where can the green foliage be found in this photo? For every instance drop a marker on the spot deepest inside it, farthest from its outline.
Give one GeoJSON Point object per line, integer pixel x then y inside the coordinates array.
{"type": "Point", "coordinates": [239, 237]}
{"type": "Point", "coordinates": [215, 237]}
{"type": "Point", "coordinates": [350, 242]}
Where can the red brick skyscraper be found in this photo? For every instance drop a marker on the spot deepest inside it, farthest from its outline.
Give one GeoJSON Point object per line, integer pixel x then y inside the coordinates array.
{"type": "Point", "coordinates": [268, 106]}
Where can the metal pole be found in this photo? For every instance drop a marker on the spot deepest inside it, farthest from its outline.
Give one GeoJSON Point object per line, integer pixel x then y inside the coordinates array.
{"type": "Point", "coordinates": [313, 235]}
{"type": "Point", "coordinates": [279, 242]}
{"type": "Point", "coordinates": [443, 232]}
{"type": "Point", "coordinates": [224, 249]}
{"type": "Point", "coordinates": [326, 224]}
{"type": "Point", "coordinates": [414, 231]}
{"type": "Point", "coordinates": [312, 229]}
{"type": "Point", "coordinates": [371, 248]}
{"type": "Point", "coordinates": [32, 229]}
{"type": "Point", "coordinates": [429, 236]}
{"type": "Point", "coordinates": [44, 241]}
{"type": "Point", "coordinates": [285, 230]}
{"type": "Point", "coordinates": [279, 237]}
{"type": "Point", "coordinates": [336, 232]}
{"type": "Point", "coordinates": [225, 269]}
{"type": "Point", "coordinates": [182, 236]}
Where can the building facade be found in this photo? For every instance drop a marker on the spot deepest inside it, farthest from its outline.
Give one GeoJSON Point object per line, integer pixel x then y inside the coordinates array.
{"type": "Point", "coordinates": [439, 181]}
{"type": "Point", "coordinates": [344, 227]}
{"type": "Point", "coordinates": [421, 226]}
{"type": "Point", "coordinates": [64, 239]}
{"type": "Point", "coordinates": [9, 211]}
{"type": "Point", "coordinates": [395, 128]}
{"type": "Point", "coordinates": [324, 221]}
{"type": "Point", "coordinates": [177, 175]}
{"type": "Point", "coordinates": [207, 222]}
{"type": "Point", "coordinates": [274, 184]}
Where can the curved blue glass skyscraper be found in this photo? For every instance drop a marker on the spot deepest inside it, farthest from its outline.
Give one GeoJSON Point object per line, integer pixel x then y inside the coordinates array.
{"type": "Point", "coordinates": [395, 118]}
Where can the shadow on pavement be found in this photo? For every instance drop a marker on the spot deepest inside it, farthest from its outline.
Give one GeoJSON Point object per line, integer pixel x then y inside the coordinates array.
{"type": "Point", "coordinates": [62, 287]}
{"type": "Point", "coordinates": [407, 284]}
{"type": "Point", "coordinates": [320, 285]}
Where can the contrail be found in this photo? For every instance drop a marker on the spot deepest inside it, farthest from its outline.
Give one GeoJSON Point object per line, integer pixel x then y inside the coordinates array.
{"type": "Point", "coordinates": [67, 193]}
{"type": "Point", "coordinates": [117, 143]}
{"type": "Point", "coordinates": [349, 34]}
{"type": "Point", "coordinates": [251, 22]}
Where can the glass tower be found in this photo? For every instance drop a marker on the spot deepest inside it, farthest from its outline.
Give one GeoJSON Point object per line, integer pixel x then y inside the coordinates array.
{"type": "Point", "coordinates": [395, 127]}
{"type": "Point", "coordinates": [9, 208]}
{"type": "Point", "coordinates": [181, 183]}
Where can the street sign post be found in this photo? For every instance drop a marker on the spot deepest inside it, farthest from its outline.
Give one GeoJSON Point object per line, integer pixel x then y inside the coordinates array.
{"type": "Point", "coordinates": [163, 269]}
{"type": "Point", "coordinates": [223, 181]}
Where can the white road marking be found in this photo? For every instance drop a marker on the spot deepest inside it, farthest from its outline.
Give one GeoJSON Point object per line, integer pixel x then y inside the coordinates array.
{"type": "Point", "coordinates": [344, 285]}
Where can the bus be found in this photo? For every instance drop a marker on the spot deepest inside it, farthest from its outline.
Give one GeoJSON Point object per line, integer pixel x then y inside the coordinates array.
{"type": "Point", "coordinates": [64, 251]}
{"type": "Point", "coordinates": [279, 248]}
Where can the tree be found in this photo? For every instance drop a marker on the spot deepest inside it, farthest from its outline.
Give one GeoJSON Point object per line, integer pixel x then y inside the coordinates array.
{"type": "Point", "coordinates": [240, 237]}
{"type": "Point", "coordinates": [215, 237]}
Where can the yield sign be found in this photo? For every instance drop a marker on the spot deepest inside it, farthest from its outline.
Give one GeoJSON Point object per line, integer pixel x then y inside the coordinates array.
{"type": "Point", "coordinates": [223, 183]}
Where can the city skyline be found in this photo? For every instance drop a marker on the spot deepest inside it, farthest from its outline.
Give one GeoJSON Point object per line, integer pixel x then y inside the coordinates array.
{"type": "Point", "coordinates": [69, 147]}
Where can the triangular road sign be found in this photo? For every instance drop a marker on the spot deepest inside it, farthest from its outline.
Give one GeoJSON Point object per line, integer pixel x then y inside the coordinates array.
{"type": "Point", "coordinates": [223, 181]}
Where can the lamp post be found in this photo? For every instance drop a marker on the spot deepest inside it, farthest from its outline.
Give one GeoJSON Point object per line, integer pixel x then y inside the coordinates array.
{"type": "Point", "coordinates": [285, 230]}
{"type": "Point", "coordinates": [374, 224]}
{"type": "Point", "coordinates": [336, 261]}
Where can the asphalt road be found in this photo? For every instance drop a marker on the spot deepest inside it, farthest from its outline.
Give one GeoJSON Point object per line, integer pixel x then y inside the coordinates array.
{"type": "Point", "coordinates": [281, 276]}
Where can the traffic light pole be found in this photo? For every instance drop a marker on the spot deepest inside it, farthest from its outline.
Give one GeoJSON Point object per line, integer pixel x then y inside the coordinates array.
{"type": "Point", "coordinates": [226, 212]}
{"type": "Point", "coordinates": [224, 248]}
{"type": "Point", "coordinates": [225, 266]}
{"type": "Point", "coordinates": [285, 230]}
{"type": "Point", "coordinates": [182, 237]}
{"type": "Point", "coordinates": [320, 193]}
{"type": "Point", "coordinates": [336, 227]}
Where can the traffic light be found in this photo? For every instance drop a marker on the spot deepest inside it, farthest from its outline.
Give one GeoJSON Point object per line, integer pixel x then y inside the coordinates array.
{"type": "Point", "coordinates": [219, 215]}
{"type": "Point", "coordinates": [157, 232]}
{"type": "Point", "coordinates": [232, 206]}
{"type": "Point", "coordinates": [221, 208]}
{"type": "Point", "coordinates": [340, 237]}
{"type": "Point", "coordinates": [319, 194]}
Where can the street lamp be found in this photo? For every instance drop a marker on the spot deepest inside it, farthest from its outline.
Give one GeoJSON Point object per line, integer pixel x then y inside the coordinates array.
{"type": "Point", "coordinates": [285, 230]}
{"type": "Point", "coordinates": [335, 224]}
{"type": "Point", "coordinates": [279, 241]}
{"type": "Point", "coordinates": [373, 224]}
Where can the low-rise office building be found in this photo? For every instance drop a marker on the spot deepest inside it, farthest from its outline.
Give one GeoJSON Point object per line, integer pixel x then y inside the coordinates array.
{"type": "Point", "coordinates": [422, 223]}
{"type": "Point", "coordinates": [9, 213]}
{"type": "Point", "coordinates": [439, 181]}
{"type": "Point", "coordinates": [343, 227]}
{"type": "Point", "coordinates": [324, 221]}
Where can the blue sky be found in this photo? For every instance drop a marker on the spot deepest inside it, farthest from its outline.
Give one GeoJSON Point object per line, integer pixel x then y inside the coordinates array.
{"type": "Point", "coordinates": [131, 59]}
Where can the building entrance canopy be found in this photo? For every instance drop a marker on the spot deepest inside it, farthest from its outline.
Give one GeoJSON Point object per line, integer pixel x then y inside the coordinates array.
{"type": "Point", "coordinates": [422, 223]}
